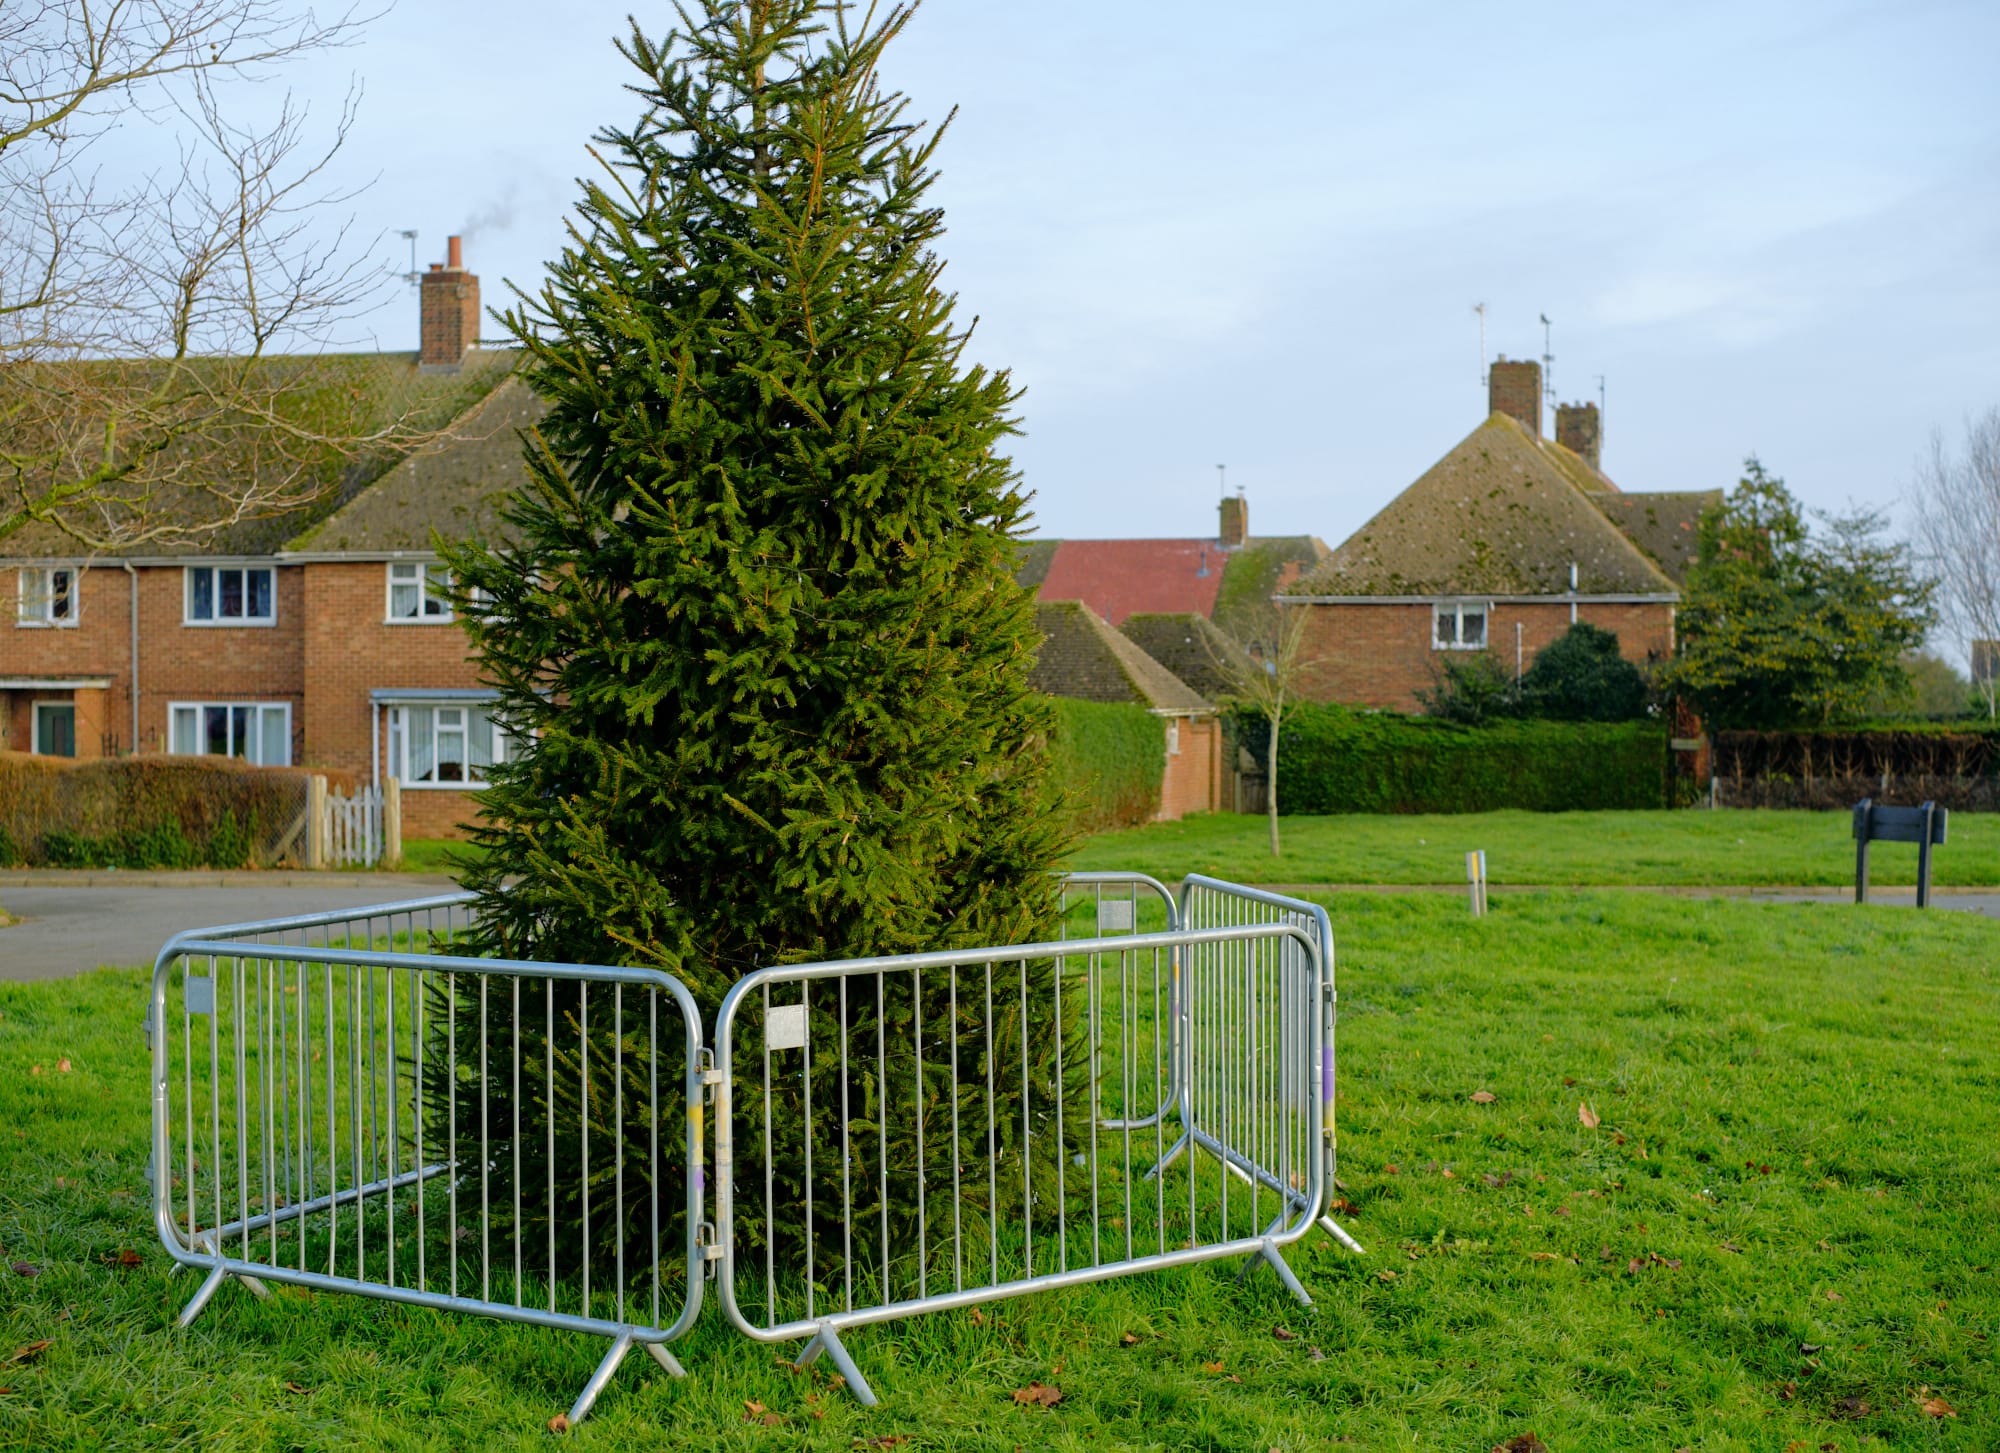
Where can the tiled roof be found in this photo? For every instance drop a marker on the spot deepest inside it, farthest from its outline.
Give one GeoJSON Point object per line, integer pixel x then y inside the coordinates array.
{"type": "Point", "coordinates": [1083, 657]}
{"type": "Point", "coordinates": [1193, 647]}
{"type": "Point", "coordinates": [351, 395]}
{"type": "Point", "coordinates": [1118, 577]}
{"type": "Point", "coordinates": [454, 486]}
{"type": "Point", "coordinates": [1667, 525]}
{"type": "Point", "coordinates": [1503, 513]}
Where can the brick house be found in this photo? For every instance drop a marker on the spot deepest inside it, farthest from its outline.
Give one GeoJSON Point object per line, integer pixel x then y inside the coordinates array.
{"type": "Point", "coordinates": [1500, 546]}
{"type": "Point", "coordinates": [1083, 658]}
{"type": "Point", "coordinates": [316, 638]}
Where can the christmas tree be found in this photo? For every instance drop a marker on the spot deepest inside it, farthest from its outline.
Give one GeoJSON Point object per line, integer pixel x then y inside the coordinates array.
{"type": "Point", "coordinates": [759, 651]}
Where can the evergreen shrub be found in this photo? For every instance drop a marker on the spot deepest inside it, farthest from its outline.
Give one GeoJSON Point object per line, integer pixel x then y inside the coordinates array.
{"type": "Point", "coordinates": [1110, 760]}
{"type": "Point", "coordinates": [755, 631]}
{"type": "Point", "coordinates": [1332, 759]}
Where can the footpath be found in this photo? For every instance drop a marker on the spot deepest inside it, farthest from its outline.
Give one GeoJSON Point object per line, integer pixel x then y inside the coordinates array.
{"type": "Point", "coordinates": [74, 920]}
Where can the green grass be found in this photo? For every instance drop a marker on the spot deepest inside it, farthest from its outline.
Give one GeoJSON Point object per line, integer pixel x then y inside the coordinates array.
{"type": "Point", "coordinates": [1799, 1106]}
{"type": "Point", "coordinates": [436, 855]}
{"type": "Point", "coordinates": [1568, 848]}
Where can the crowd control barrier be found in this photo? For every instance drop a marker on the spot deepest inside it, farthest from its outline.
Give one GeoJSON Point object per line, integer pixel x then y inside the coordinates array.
{"type": "Point", "coordinates": [347, 1102]}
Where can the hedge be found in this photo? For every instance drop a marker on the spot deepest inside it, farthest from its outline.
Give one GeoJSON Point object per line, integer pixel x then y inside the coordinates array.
{"type": "Point", "coordinates": [146, 812]}
{"type": "Point", "coordinates": [1109, 760]}
{"type": "Point", "coordinates": [1333, 759]}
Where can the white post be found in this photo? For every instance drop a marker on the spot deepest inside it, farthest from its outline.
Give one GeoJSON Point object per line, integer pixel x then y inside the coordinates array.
{"type": "Point", "coordinates": [1475, 878]}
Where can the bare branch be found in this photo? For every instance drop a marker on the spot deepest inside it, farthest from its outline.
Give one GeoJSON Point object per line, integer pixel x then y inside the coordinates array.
{"type": "Point", "coordinates": [1955, 503]}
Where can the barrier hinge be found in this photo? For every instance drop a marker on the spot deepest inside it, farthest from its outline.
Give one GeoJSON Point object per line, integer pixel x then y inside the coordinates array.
{"type": "Point", "coordinates": [146, 1028]}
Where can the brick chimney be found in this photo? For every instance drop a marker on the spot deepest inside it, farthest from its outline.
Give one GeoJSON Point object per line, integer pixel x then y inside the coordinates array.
{"type": "Point", "coordinates": [1235, 521]}
{"type": "Point", "coordinates": [448, 313]}
{"type": "Point", "coordinates": [1515, 389]}
{"type": "Point", "coordinates": [1579, 430]}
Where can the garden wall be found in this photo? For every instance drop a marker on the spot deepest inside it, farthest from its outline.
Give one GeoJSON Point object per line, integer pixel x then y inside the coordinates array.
{"type": "Point", "coordinates": [149, 812]}
{"type": "Point", "coordinates": [1334, 759]}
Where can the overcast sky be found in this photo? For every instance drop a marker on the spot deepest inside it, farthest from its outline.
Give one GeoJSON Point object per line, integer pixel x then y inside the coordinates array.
{"type": "Point", "coordinates": [1202, 233]}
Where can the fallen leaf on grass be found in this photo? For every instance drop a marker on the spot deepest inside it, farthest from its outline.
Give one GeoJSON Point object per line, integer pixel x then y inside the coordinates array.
{"type": "Point", "coordinates": [297, 1388]}
{"type": "Point", "coordinates": [1730, 1246]}
{"type": "Point", "coordinates": [24, 1268]}
{"type": "Point", "coordinates": [1833, 1296]}
{"type": "Point", "coordinates": [1938, 1408]}
{"type": "Point", "coordinates": [1855, 1407]}
{"type": "Point", "coordinates": [1128, 1340]}
{"type": "Point", "coordinates": [1483, 1097]}
{"type": "Point", "coordinates": [62, 1066]}
{"type": "Point", "coordinates": [1392, 1170]}
{"type": "Point", "coordinates": [1039, 1395]}
{"type": "Point", "coordinates": [31, 1351]}
{"type": "Point", "coordinates": [1316, 1354]}
{"type": "Point", "coordinates": [1498, 1181]}
{"type": "Point", "coordinates": [1385, 1275]}
{"type": "Point", "coordinates": [1587, 1115]}
{"type": "Point", "coordinates": [1522, 1443]}
{"type": "Point", "coordinates": [559, 1423]}
{"type": "Point", "coordinates": [1546, 1256]}
{"type": "Point", "coordinates": [754, 1412]}
{"type": "Point", "coordinates": [34, 1069]}
{"type": "Point", "coordinates": [1233, 1378]}
{"type": "Point", "coordinates": [1283, 1334]}
{"type": "Point", "coordinates": [978, 1317]}
{"type": "Point", "coordinates": [885, 1440]}
{"type": "Point", "coordinates": [1789, 1391]}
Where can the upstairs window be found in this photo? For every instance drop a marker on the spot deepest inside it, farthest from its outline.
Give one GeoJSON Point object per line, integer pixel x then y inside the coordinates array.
{"type": "Point", "coordinates": [48, 596]}
{"type": "Point", "coordinates": [1459, 625]}
{"type": "Point", "coordinates": [419, 592]}
{"type": "Point", "coordinates": [231, 595]}
{"type": "Point", "coordinates": [256, 731]}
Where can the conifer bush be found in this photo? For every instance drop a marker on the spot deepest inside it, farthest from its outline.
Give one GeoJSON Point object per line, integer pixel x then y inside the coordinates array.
{"type": "Point", "coordinates": [755, 634]}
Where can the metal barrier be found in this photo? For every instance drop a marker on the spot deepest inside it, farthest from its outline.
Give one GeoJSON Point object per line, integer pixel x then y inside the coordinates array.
{"type": "Point", "coordinates": [330, 1110]}
{"type": "Point", "coordinates": [342, 1102]}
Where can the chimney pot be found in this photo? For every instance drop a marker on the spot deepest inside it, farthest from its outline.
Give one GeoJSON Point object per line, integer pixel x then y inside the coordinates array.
{"type": "Point", "coordinates": [454, 254]}
{"type": "Point", "coordinates": [1515, 389]}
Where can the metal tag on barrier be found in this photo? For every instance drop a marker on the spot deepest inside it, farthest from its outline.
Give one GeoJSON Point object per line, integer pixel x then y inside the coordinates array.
{"type": "Point", "coordinates": [200, 992]}
{"type": "Point", "coordinates": [785, 1027]}
{"type": "Point", "coordinates": [1114, 916]}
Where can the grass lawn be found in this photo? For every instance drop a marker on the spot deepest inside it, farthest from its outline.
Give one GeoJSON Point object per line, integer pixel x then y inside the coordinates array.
{"type": "Point", "coordinates": [1783, 1234]}
{"type": "Point", "coordinates": [435, 855]}
{"type": "Point", "coordinates": [1731, 846]}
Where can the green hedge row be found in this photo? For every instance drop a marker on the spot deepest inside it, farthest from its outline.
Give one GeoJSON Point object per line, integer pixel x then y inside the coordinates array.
{"type": "Point", "coordinates": [1333, 759]}
{"type": "Point", "coordinates": [1109, 761]}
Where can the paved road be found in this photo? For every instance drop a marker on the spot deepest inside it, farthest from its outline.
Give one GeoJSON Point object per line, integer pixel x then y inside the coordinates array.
{"type": "Point", "coordinates": [72, 930]}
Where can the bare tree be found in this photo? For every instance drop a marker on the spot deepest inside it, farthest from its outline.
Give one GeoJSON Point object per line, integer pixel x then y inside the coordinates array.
{"type": "Point", "coordinates": [1265, 677]}
{"type": "Point", "coordinates": [1955, 501]}
{"type": "Point", "coordinates": [171, 336]}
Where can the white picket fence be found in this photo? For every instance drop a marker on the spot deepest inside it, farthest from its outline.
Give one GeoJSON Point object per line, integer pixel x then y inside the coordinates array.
{"type": "Point", "coordinates": [358, 831]}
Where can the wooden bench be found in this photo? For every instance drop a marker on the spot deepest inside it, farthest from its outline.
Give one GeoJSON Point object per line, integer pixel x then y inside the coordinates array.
{"type": "Point", "coordinates": [1924, 826]}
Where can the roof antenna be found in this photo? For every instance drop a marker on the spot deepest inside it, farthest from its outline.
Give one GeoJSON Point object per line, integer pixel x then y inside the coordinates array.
{"type": "Point", "coordinates": [1480, 309]}
{"type": "Point", "coordinates": [1548, 363]}
{"type": "Point", "coordinates": [412, 277]}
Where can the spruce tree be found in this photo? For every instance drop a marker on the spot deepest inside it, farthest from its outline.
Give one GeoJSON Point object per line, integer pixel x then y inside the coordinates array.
{"type": "Point", "coordinates": [758, 646]}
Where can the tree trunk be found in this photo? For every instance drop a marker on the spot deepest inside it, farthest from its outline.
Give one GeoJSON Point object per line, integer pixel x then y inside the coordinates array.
{"type": "Point", "coordinates": [1271, 780]}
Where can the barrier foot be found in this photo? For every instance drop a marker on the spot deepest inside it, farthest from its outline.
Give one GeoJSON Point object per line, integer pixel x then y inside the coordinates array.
{"type": "Point", "coordinates": [1339, 1233]}
{"type": "Point", "coordinates": [1270, 1253]}
{"type": "Point", "coordinates": [587, 1399]}
{"type": "Point", "coordinates": [1174, 1153]}
{"type": "Point", "coordinates": [254, 1285]}
{"type": "Point", "coordinates": [827, 1340]}
{"type": "Point", "coordinates": [202, 1294]}
{"type": "Point", "coordinates": [658, 1352]}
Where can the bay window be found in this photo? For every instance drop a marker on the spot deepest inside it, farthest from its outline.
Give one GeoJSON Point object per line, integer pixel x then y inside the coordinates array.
{"type": "Point", "coordinates": [444, 745]}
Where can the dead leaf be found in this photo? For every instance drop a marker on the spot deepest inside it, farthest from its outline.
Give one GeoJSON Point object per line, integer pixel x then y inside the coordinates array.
{"type": "Point", "coordinates": [1937, 1407]}
{"type": "Point", "coordinates": [1617, 1137]}
{"type": "Point", "coordinates": [1040, 1395]}
{"type": "Point", "coordinates": [1211, 1367]}
{"type": "Point", "coordinates": [1233, 1378]}
{"type": "Point", "coordinates": [1604, 1253]}
{"type": "Point", "coordinates": [129, 1258]}
{"type": "Point", "coordinates": [1546, 1256]}
{"type": "Point", "coordinates": [1834, 1296]}
{"type": "Point", "coordinates": [884, 1440]}
{"type": "Point", "coordinates": [1128, 1340]}
{"type": "Point", "coordinates": [978, 1317]}
{"type": "Point", "coordinates": [1498, 1181]}
{"type": "Point", "coordinates": [559, 1423]}
{"type": "Point", "coordinates": [1392, 1170]}
{"type": "Point", "coordinates": [754, 1412]}
{"type": "Point", "coordinates": [1316, 1354]}
{"type": "Point", "coordinates": [1385, 1275]}
{"type": "Point", "coordinates": [62, 1066]}
{"type": "Point", "coordinates": [31, 1351]}
{"type": "Point", "coordinates": [1568, 1080]}
{"type": "Point", "coordinates": [1854, 1407]}
{"type": "Point", "coordinates": [1789, 1391]}
{"type": "Point", "coordinates": [1587, 1115]}
{"type": "Point", "coordinates": [295, 1387]}
{"type": "Point", "coordinates": [1564, 1211]}
{"type": "Point", "coordinates": [1522, 1443]}
{"type": "Point", "coordinates": [1731, 1246]}
{"type": "Point", "coordinates": [1448, 1175]}
{"type": "Point", "coordinates": [1283, 1334]}
{"type": "Point", "coordinates": [34, 1069]}
{"type": "Point", "coordinates": [24, 1268]}
{"type": "Point", "coordinates": [1483, 1097]}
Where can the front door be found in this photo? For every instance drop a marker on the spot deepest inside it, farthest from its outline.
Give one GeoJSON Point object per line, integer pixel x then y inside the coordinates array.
{"type": "Point", "coordinates": [55, 728]}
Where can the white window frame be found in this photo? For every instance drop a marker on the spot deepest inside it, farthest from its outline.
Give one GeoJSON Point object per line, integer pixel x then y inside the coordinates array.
{"type": "Point", "coordinates": [215, 572]}
{"type": "Point", "coordinates": [35, 724]}
{"type": "Point", "coordinates": [399, 734]}
{"type": "Point", "coordinates": [418, 575]}
{"type": "Point", "coordinates": [39, 597]}
{"type": "Point", "coordinates": [200, 710]}
{"type": "Point", "coordinates": [1457, 610]}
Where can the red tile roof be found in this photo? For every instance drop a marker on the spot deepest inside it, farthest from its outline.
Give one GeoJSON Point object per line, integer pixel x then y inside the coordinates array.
{"type": "Point", "coordinates": [1118, 578]}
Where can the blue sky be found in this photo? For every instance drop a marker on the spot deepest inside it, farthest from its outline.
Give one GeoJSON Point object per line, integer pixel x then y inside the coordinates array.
{"type": "Point", "coordinates": [1203, 233]}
